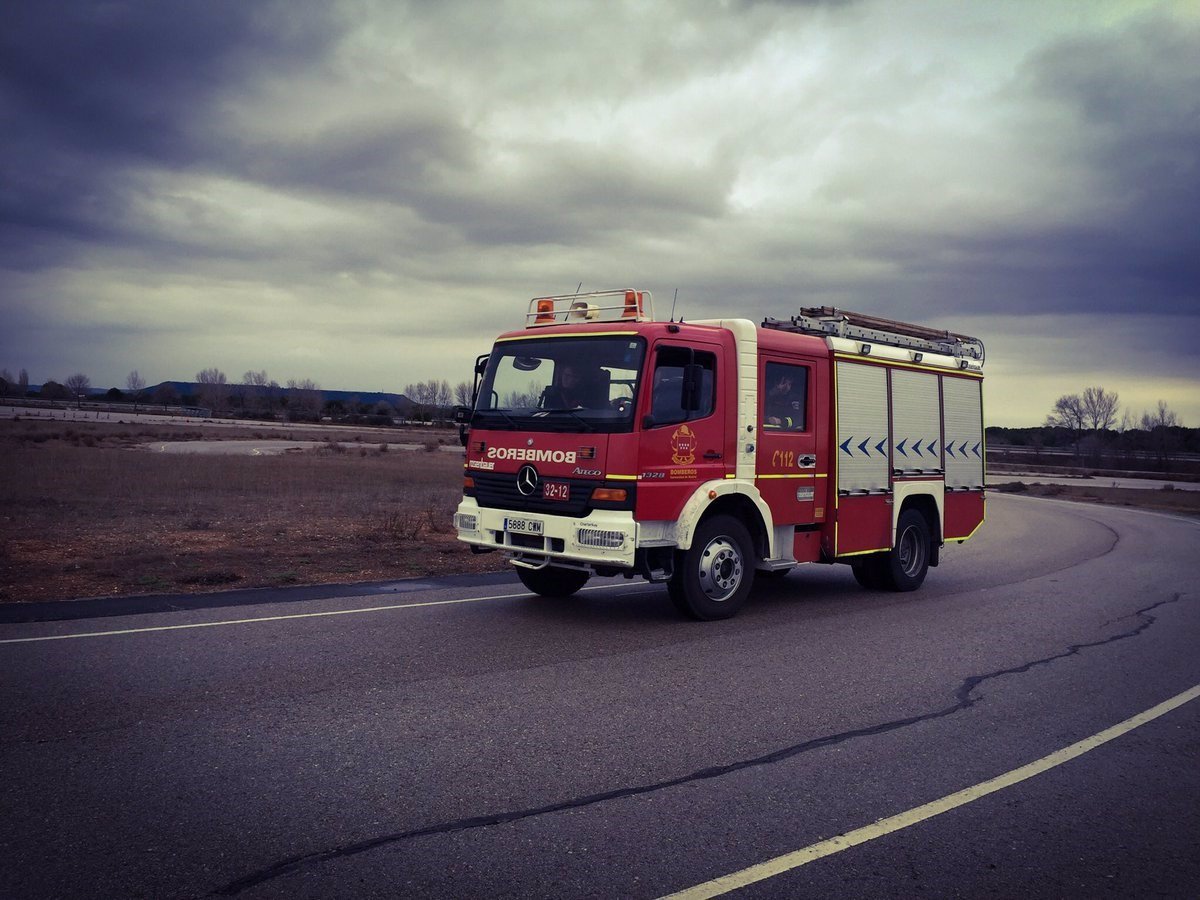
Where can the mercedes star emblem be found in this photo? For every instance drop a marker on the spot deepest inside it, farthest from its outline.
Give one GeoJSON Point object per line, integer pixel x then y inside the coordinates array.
{"type": "Point", "coordinates": [527, 480]}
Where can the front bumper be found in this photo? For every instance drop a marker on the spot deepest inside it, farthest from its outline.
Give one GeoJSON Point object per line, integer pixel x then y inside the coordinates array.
{"type": "Point", "coordinates": [602, 538]}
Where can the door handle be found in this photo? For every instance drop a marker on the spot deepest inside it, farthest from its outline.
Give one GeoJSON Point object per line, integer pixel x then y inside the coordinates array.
{"type": "Point", "coordinates": [807, 462]}
{"type": "Point", "coordinates": [712, 454]}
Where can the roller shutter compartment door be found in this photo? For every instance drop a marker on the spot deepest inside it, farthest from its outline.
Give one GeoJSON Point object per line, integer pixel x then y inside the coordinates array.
{"type": "Point", "coordinates": [916, 422]}
{"type": "Point", "coordinates": [862, 419]}
{"type": "Point", "coordinates": [964, 432]}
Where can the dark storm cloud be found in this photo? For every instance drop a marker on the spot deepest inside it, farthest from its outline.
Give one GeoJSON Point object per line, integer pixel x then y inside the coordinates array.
{"type": "Point", "coordinates": [333, 171]}
{"type": "Point", "coordinates": [1125, 108]}
{"type": "Point", "coordinates": [89, 90]}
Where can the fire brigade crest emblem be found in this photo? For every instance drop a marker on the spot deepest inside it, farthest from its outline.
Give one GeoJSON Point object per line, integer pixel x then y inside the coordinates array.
{"type": "Point", "coordinates": [683, 446]}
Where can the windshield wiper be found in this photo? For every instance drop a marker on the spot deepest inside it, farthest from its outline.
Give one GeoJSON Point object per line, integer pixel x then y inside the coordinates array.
{"type": "Point", "coordinates": [587, 426]}
{"type": "Point", "coordinates": [509, 420]}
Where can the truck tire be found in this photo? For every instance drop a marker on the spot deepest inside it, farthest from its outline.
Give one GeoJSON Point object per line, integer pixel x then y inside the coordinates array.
{"type": "Point", "coordinates": [904, 568]}
{"type": "Point", "coordinates": [868, 572]}
{"type": "Point", "coordinates": [552, 581]}
{"type": "Point", "coordinates": [713, 576]}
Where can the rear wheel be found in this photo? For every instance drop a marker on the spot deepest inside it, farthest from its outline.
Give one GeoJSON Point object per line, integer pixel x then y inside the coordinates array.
{"type": "Point", "coordinates": [904, 569]}
{"type": "Point", "coordinates": [714, 575]}
{"type": "Point", "coordinates": [552, 581]}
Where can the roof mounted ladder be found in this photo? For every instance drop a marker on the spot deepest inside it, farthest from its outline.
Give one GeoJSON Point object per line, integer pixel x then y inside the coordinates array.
{"type": "Point", "coordinates": [829, 322]}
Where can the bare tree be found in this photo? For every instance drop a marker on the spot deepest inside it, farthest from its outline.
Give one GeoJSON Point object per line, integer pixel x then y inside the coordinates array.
{"type": "Point", "coordinates": [424, 397]}
{"type": "Point", "coordinates": [442, 399]}
{"type": "Point", "coordinates": [261, 391]}
{"type": "Point", "coordinates": [78, 384]}
{"type": "Point", "coordinates": [1067, 413]}
{"type": "Point", "coordinates": [1099, 408]}
{"type": "Point", "coordinates": [528, 397]}
{"type": "Point", "coordinates": [23, 382]}
{"type": "Point", "coordinates": [1162, 417]}
{"type": "Point", "coordinates": [213, 388]}
{"type": "Point", "coordinates": [7, 383]}
{"type": "Point", "coordinates": [304, 398]}
{"type": "Point", "coordinates": [462, 393]}
{"type": "Point", "coordinates": [1162, 424]}
{"type": "Point", "coordinates": [135, 384]}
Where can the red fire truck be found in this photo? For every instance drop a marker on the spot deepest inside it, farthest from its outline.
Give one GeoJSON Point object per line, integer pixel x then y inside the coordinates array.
{"type": "Point", "coordinates": [700, 454]}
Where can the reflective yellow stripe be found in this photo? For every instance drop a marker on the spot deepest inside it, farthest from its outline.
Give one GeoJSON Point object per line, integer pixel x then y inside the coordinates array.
{"type": "Point", "coordinates": [864, 552]}
{"type": "Point", "coordinates": [621, 477]}
{"type": "Point", "coordinates": [543, 334]}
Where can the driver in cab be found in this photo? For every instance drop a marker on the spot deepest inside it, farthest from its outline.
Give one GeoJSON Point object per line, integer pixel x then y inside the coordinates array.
{"type": "Point", "coordinates": [572, 391]}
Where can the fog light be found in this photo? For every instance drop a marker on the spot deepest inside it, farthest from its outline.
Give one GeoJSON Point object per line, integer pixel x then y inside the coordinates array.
{"type": "Point", "coordinates": [594, 537]}
{"type": "Point", "coordinates": [465, 522]}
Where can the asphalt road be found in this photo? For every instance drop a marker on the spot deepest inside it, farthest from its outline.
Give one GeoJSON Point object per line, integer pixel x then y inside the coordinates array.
{"type": "Point", "coordinates": [461, 739]}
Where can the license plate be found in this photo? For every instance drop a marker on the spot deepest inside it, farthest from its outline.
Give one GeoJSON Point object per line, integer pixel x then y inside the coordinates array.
{"type": "Point", "coordinates": [523, 526]}
{"type": "Point", "coordinates": [556, 490]}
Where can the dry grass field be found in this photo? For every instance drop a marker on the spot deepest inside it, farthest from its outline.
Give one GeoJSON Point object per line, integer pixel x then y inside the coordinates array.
{"type": "Point", "coordinates": [85, 512]}
{"type": "Point", "coordinates": [1166, 499]}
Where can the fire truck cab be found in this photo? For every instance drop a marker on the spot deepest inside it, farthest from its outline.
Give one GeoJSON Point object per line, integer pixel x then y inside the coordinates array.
{"type": "Point", "coordinates": [700, 454]}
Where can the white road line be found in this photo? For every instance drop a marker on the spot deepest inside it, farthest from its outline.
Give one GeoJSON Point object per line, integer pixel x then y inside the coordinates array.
{"type": "Point", "coordinates": [797, 858]}
{"type": "Point", "coordinates": [314, 615]}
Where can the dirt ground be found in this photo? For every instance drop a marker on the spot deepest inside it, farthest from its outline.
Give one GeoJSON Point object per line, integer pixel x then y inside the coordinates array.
{"type": "Point", "coordinates": [87, 511]}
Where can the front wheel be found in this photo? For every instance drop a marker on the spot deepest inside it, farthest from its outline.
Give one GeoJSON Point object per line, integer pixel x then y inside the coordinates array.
{"type": "Point", "coordinates": [714, 575]}
{"type": "Point", "coordinates": [552, 581]}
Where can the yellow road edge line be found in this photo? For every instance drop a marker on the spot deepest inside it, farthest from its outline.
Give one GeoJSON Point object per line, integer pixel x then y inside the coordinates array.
{"type": "Point", "coordinates": [789, 861]}
{"type": "Point", "coordinates": [314, 615]}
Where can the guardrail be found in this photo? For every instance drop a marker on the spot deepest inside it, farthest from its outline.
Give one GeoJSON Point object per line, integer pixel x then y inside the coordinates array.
{"type": "Point", "coordinates": [160, 409]}
{"type": "Point", "coordinates": [1025, 450]}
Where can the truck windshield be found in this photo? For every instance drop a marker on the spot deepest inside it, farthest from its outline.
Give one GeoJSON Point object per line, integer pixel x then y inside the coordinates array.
{"type": "Point", "coordinates": [574, 383]}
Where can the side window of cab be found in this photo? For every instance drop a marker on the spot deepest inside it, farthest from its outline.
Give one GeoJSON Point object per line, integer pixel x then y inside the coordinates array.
{"type": "Point", "coordinates": [785, 397]}
{"type": "Point", "coordinates": [668, 399]}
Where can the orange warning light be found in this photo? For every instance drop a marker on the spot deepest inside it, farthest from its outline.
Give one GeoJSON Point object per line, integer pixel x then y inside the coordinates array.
{"type": "Point", "coordinates": [633, 304]}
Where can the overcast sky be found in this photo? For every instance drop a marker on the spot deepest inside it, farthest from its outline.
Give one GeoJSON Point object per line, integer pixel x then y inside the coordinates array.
{"type": "Point", "coordinates": [365, 193]}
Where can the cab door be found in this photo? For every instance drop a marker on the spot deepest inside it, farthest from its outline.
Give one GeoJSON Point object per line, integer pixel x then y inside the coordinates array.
{"type": "Point", "coordinates": [789, 475]}
{"type": "Point", "coordinates": [680, 448]}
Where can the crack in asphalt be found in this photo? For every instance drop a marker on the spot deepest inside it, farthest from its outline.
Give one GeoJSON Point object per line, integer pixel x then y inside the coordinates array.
{"type": "Point", "coordinates": [963, 700]}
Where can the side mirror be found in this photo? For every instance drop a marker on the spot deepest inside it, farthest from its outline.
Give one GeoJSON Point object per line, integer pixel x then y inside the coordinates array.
{"type": "Point", "coordinates": [462, 415]}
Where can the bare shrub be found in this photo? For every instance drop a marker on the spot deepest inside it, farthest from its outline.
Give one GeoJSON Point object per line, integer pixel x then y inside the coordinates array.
{"type": "Point", "coordinates": [405, 526]}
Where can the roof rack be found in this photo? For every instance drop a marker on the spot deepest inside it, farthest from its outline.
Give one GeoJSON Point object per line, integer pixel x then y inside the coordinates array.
{"type": "Point", "coordinates": [829, 322]}
{"type": "Point", "coordinates": [594, 306]}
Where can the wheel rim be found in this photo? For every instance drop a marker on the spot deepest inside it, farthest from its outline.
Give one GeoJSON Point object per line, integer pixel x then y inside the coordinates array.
{"type": "Point", "coordinates": [720, 569]}
{"type": "Point", "coordinates": [912, 553]}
